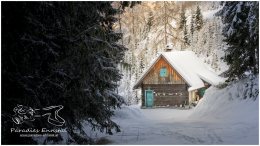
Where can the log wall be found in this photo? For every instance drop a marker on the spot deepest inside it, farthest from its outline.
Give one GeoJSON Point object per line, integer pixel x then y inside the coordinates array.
{"type": "Point", "coordinates": [167, 94]}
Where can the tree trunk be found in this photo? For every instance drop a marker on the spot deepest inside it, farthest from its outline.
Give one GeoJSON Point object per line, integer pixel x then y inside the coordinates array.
{"type": "Point", "coordinates": [165, 23]}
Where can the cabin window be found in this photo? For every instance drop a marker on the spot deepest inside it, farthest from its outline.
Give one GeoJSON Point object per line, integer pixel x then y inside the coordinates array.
{"type": "Point", "coordinates": [163, 72]}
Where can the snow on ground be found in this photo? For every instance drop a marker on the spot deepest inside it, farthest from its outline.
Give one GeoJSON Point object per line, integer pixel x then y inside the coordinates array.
{"type": "Point", "coordinates": [221, 117]}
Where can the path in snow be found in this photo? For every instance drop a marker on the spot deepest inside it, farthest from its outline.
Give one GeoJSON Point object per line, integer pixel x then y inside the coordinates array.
{"type": "Point", "coordinates": [173, 126]}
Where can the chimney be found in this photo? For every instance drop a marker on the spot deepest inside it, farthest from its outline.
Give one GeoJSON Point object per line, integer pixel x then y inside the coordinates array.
{"type": "Point", "coordinates": [169, 47]}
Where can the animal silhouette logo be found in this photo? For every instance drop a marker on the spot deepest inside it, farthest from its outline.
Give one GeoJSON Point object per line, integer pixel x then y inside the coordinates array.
{"type": "Point", "coordinates": [25, 113]}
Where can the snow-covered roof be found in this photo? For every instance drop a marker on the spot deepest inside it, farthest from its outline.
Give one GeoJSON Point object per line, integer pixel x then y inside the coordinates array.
{"type": "Point", "coordinates": [192, 70]}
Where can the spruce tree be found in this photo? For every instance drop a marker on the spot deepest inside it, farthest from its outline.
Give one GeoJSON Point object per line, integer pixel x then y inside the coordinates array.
{"type": "Point", "coordinates": [141, 65]}
{"type": "Point", "coordinates": [150, 21]}
{"type": "Point", "coordinates": [192, 29]}
{"type": "Point", "coordinates": [199, 19]}
{"type": "Point", "coordinates": [183, 19]}
{"type": "Point", "coordinates": [185, 37]}
{"type": "Point", "coordinates": [183, 26]}
{"type": "Point", "coordinates": [60, 53]}
{"type": "Point", "coordinates": [241, 35]}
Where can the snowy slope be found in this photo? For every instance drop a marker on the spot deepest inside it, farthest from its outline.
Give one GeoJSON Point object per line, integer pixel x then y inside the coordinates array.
{"type": "Point", "coordinates": [228, 105]}
{"type": "Point", "coordinates": [221, 117]}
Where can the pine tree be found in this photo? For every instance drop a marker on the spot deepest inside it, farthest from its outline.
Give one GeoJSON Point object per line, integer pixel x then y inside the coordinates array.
{"type": "Point", "coordinates": [150, 21]}
{"type": "Point", "coordinates": [210, 40]}
{"type": "Point", "coordinates": [183, 26]}
{"type": "Point", "coordinates": [183, 19]}
{"type": "Point", "coordinates": [241, 35]}
{"type": "Point", "coordinates": [199, 19]}
{"type": "Point", "coordinates": [192, 29]}
{"type": "Point", "coordinates": [185, 37]}
{"type": "Point", "coordinates": [141, 65]}
{"type": "Point", "coordinates": [60, 53]}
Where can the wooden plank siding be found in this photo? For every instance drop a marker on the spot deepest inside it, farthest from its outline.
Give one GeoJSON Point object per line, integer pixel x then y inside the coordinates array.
{"type": "Point", "coordinates": [167, 94]}
{"type": "Point", "coordinates": [170, 90]}
{"type": "Point", "coordinates": [153, 77]}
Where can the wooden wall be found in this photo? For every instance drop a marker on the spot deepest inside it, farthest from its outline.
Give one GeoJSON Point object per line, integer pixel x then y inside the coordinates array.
{"type": "Point", "coordinates": [170, 90]}
{"type": "Point", "coordinates": [153, 77]}
{"type": "Point", "coordinates": [165, 94]}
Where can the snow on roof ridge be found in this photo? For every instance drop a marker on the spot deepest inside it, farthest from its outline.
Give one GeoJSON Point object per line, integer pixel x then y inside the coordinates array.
{"type": "Point", "coordinates": [176, 59]}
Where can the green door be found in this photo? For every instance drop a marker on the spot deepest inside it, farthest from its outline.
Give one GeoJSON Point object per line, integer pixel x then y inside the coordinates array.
{"type": "Point", "coordinates": [149, 98]}
{"type": "Point", "coordinates": [202, 92]}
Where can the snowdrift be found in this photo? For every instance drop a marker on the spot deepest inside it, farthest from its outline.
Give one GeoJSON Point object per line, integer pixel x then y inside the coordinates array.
{"type": "Point", "coordinates": [229, 104]}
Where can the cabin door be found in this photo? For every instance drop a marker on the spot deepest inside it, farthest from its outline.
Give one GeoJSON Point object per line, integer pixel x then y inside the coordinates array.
{"type": "Point", "coordinates": [149, 98]}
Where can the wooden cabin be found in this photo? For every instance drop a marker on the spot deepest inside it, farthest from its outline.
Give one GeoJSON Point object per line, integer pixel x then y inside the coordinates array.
{"type": "Point", "coordinates": [175, 79]}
